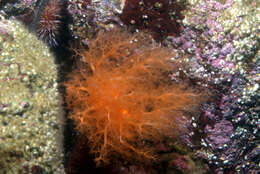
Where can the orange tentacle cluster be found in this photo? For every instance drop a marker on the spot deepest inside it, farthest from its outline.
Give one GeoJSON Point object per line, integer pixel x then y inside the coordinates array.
{"type": "Point", "coordinates": [126, 100]}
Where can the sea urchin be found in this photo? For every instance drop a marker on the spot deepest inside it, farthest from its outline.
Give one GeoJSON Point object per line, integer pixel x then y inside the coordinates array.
{"type": "Point", "coordinates": [50, 22]}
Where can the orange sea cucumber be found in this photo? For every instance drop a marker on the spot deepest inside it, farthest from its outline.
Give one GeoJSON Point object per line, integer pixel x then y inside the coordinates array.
{"type": "Point", "coordinates": [122, 98]}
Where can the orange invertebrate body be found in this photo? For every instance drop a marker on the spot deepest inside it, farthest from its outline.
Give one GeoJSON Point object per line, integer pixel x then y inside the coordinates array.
{"type": "Point", "coordinates": [123, 99]}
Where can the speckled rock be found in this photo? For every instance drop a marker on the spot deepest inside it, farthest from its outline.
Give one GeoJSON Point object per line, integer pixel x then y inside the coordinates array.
{"type": "Point", "coordinates": [30, 115]}
{"type": "Point", "coordinates": [221, 40]}
{"type": "Point", "coordinates": [89, 16]}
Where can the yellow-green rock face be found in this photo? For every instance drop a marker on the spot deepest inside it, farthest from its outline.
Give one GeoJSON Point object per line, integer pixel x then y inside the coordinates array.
{"type": "Point", "coordinates": [29, 104]}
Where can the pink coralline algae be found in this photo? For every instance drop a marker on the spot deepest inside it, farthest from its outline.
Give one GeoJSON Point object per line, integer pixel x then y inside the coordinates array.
{"type": "Point", "coordinates": [205, 37]}
{"type": "Point", "coordinates": [28, 2]}
{"type": "Point", "coordinates": [214, 53]}
{"type": "Point", "coordinates": [181, 163]}
{"type": "Point", "coordinates": [220, 134]}
{"type": "Point", "coordinates": [131, 170]}
{"type": "Point", "coordinates": [223, 47]}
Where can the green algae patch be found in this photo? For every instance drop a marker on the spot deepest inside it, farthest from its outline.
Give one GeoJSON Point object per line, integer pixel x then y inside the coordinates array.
{"type": "Point", "coordinates": [30, 115]}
